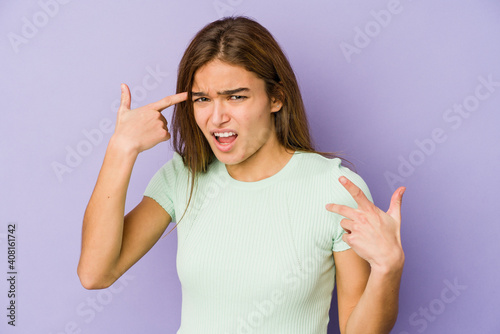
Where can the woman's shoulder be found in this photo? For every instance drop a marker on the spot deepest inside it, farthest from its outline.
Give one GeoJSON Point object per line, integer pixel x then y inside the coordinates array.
{"type": "Point", "coordinates": [317, 162]}
{"type": "Point", "coordinates": [330, 170]}
{"type": "Point", "coordinates": [174, 166]}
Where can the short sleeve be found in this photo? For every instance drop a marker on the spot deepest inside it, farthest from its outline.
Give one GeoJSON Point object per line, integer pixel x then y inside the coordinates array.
{"type": "Point", "coordinates": [338, 244]}
{"type": "Point", "coordinates": [162, 185]}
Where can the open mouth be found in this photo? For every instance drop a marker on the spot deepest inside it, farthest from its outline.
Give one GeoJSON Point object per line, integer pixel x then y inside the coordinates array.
{"type": "Point", "coordinates": [225, 138]}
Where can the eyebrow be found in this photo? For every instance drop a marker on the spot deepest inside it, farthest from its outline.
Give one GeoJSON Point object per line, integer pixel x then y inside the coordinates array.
{"type": "Point", "coordinates": [225, 92]}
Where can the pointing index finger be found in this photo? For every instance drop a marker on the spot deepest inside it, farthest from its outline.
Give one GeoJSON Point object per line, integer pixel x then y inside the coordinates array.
{"type": "Point", "coordinates": [169, 101]}
{"type": "Point", "coordinates": [355, 192]}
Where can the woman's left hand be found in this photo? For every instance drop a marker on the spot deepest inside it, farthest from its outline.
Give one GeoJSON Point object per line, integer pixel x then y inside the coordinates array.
{"type": "Point", "coordinates": [373, 234]}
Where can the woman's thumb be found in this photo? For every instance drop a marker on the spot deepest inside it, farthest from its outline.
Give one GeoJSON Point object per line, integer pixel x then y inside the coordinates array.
{"type": "Point", "coordinates": [125, 98]}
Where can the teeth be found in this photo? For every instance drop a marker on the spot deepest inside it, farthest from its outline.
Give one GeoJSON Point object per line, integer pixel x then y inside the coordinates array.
{"type": "Point", "coordinates": [224, 134]}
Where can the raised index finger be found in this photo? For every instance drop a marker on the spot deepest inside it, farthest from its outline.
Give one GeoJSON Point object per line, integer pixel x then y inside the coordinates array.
{"type": "Point", "coordinates": [169, 101]}
{"type": "Point", "coordinates": [356, 193]}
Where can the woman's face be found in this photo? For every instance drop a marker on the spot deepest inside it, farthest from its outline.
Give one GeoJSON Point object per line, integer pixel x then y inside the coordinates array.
{"type": "Point", "coordinates": [230, 101]}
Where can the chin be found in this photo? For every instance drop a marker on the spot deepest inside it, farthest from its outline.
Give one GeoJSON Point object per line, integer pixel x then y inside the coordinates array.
{"type": "Point", "coordinates": [229, 158]}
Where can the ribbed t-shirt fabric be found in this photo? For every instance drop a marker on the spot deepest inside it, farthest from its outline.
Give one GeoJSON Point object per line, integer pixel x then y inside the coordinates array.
{"type": "Point", "coordinates": [256, 257]}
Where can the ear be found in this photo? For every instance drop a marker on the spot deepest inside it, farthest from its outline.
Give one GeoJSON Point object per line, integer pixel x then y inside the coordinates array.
{"type": "Point", "coordinates": [276, 104]}
{"type": "Point", "coordinates": [277, 98]}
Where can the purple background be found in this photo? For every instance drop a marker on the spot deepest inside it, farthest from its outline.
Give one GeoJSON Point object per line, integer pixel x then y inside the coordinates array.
{"type": "Point", "coordinates": [410, 64]}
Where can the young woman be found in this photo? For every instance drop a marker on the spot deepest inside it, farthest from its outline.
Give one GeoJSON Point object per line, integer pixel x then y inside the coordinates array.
{"type": "Point", "coordinates": [265, 224]}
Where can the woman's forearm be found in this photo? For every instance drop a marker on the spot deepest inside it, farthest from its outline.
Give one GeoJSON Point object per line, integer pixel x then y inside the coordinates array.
{"type": "Point", "coordinates": [102, 229]}
{"type": "Point", "coordinates": [377, 309]}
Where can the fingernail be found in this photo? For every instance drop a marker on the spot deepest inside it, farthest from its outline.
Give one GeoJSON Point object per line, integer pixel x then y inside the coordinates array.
{"type": "Point", "coordinates": [343, 180]}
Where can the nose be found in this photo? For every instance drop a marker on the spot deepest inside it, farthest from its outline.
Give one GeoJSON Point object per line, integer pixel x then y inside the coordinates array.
{"type": "Point", "coordinates": [220, 113]}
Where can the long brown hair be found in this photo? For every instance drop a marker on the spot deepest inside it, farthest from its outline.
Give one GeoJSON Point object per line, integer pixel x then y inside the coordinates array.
{"type": "Point", "coordinates": [243, 42]}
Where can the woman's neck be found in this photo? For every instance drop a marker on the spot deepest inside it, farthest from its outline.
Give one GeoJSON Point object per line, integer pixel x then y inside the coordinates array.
{"type": "Point", "coordinates": [264, 163]}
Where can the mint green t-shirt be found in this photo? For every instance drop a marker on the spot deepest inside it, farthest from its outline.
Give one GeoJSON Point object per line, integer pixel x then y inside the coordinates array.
{"type": "Point", "coordinates": [256, 257]}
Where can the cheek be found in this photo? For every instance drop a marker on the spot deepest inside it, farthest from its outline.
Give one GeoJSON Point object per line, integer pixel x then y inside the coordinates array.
{"type": "Point", "coordinates": [200, 118]}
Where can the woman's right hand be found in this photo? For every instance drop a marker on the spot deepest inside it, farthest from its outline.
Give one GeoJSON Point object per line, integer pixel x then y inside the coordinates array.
{"type": "Point", "coordinates": [142, 128]}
